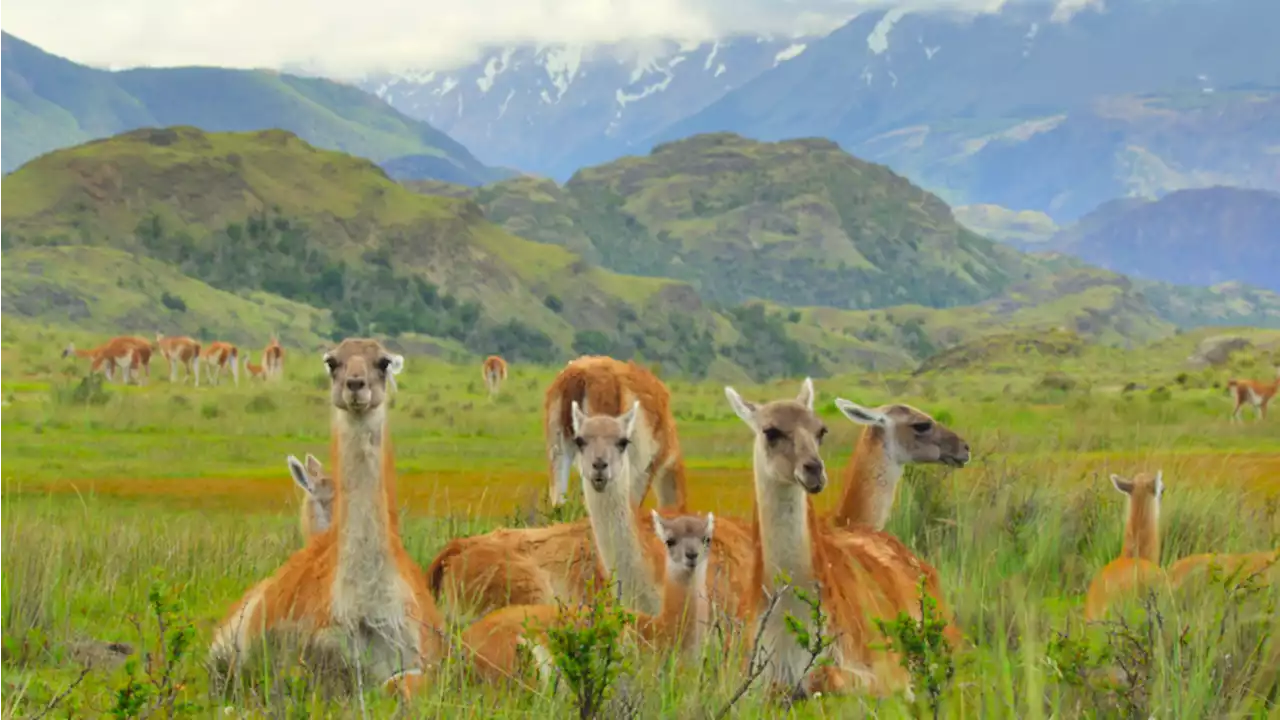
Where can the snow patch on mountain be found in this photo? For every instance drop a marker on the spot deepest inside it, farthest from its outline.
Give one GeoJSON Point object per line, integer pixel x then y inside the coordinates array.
{"type": "Point", "coordinates": [878, 40]}
{"type": "Point", "coordinates": [789, 53]}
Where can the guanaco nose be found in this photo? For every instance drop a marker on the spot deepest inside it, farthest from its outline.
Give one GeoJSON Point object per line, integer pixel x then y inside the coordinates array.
{"type": "Point", "coordinates": [599, 464]}
{"type": "Point", "coordinates": [691, 556]}
{"type": "Point", "coordinates": [813, 467]}
{"type": "Point", "coordinates": [356, 384]}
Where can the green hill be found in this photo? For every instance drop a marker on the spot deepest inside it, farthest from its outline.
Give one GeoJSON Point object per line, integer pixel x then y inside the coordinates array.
{"type": "Point", "coordinates": [256, 214]}
{"type": "Point", "coordinates": [798, 222]}
{"type": "Point", "coordinates": [50, 103]}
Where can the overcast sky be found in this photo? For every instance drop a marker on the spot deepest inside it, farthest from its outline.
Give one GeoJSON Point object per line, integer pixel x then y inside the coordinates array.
{"type": "Point", "coordinates": [344, 37]}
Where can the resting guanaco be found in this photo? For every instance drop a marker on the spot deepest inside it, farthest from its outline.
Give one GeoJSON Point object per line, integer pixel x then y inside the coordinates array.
{"type": "Point", "coordinates": [680, 625]}
{"type": "Point", "coordinates": [1138, 566]}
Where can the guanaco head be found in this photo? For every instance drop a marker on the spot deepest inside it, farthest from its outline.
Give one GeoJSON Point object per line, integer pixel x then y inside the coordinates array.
{"type": "Point", "coordinates": [69, 349]}
{"type": "Point", "coordinates": [319, 489]}
{"type": "Point", "coordinates": [910, 435]}
{"type": "Point", "coordinates": [602, 444]}
{"type": "Point", "coordinates": [360, 370]}
{"type": "Point", "coordinates": [1141, 534]}
{"type": "Point", "coordinates": [788, 437]}
{"type": "Point", "coordinates": [688, 541]}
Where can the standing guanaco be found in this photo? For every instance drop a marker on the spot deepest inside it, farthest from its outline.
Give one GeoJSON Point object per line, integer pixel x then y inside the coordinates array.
{"type": "Point", "coordinates": [1255, 392]}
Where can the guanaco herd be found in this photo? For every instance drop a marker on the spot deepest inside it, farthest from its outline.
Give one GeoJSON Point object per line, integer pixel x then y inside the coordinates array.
{"type": "Point", "coordinates": [353, 588]}
{"type": "Point", "coordinates": [130, 354]}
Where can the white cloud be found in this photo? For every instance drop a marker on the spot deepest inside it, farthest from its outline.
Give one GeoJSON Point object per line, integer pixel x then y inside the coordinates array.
{"type": "Point", "coordinates": [340, 37]}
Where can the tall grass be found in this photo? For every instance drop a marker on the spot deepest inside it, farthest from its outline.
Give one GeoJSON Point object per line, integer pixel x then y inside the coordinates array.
{"type": "Point", "coordinates": [102, 499]}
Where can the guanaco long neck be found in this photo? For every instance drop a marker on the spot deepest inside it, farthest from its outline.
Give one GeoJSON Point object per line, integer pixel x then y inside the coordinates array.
{"type": "Point", "coordinates": [686, 610]}
{"type": "Point", "coordinates": [784, 514]}
{"type": "Point", "coordinates": [618, 545]}
{"type": "Point", "coordinates": [363, 506]}
{"type": "Point", "coordinates": [870, 482]}
{"type": "Point", "coordinates": [1141, 530]}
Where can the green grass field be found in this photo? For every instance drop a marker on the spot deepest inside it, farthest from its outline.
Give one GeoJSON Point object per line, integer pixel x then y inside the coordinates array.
{"type": "Point", "coordinates": [105, 495]}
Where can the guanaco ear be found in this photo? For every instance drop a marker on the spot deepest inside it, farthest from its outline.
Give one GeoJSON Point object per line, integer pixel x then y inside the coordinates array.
{"type": "Point", "coordinates": [711, 526]}
{"type": "Point", "coordinates": [744, 408]}
{"type": "Point", "coordinates": [579, 418]}
{"type": "Point", "coordinates": [805, 397]}
{"type": "Point", "coordinates": [299, 473]}
{"type": "Point", "coordinates": [628, 419]}
{"type": "Point", "coordinates": [397, 363]}
{"type": "Point", "coordinates": [314, 469]}
{"type": "Point", "coordinates": [1159, 482]}
{"type": "Point", "coordinates": [658, 527]}
{"type": "Point", "coordinates": [860, 414]}
{"type": "Point", "coordinates": [1124, 486]}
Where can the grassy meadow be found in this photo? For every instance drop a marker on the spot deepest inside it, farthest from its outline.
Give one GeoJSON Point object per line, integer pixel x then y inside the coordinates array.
{"type": "Point", "coordinates": [119, 501]}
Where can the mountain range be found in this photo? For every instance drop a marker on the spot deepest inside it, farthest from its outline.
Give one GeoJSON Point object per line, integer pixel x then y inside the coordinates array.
{"type": "Point", "coordinates": [50, 103]}
{"type": "Point", "coordinates": [1205, 236]}
{"type": "Point", "coordinates": [1022, 108]}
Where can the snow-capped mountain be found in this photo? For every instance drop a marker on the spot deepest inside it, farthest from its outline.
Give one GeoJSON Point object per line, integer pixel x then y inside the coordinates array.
{"type": "Point", "coordinates": [552, 110]}
{"type": "Point", "coordinates": [1033, 107]}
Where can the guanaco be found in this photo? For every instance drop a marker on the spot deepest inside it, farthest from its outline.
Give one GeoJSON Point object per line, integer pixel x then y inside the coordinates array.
{"type": "Point", "coordinates": [180, 352]}
{"type": "Point", "coordinates": [680, 625]}
{"type": "Point", "coordinates": [317, 488]}
{"type": "Point", "coordinates": [118, 353]}
{"type": "Point", "coordinates": [1255, 392]}
{"type": "Point", "coordinates": [494, 370]}
{"type": "Point", "coordinates": [220, 355]}
{"type": "Point", "coordinates": [1138, 566]}
{"type": "Point", "coordinates": [273, 359]}
{"type": "Point", "coordinates": [871, 576]}
{"type": "Point", "coordinates": [605, 385]}
{"type": "Point", "coordinates": [353, 585]}
{"type": "Point", "coordinates": [895, 435]}
{"type": "Point", "coordinates": [255, 370]}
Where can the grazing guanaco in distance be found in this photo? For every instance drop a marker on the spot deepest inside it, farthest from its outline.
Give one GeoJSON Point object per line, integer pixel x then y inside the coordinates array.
{"type": "Point", "coordinates": [872, 576]}
{"type": "Point", "coordinates": [219, 356]}
{"type": "Point", "coordinates": [118, 353]}
{"type": "Point", "coordinates": [680, 625]}
{"type": "Point", "coordinates": [273, 359]}
{"type": "Point", "coordinates": [1138, 566]}
{"type": "Point", "coordinates": [180, 352]}
{"type": "Point", "coordinates": [353, 585]}
{"type": "Point", "coordinates": [142, 354]}
{"type": "Point", "coordinates": [1255, 392]}
{"type": "Point", "coordinates": [896, 435]}
{"type": "Point", "coordinates": [494, 371]}
{"type": "Point", "coordinates": [603, 385]}
{"type": "Point", "coordinates": [255, 370]}
{"type": "Point", "coordinates": [317, 487]}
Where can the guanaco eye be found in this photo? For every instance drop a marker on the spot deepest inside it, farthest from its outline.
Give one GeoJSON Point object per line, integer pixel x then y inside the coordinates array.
{"type": "Point", "coordinates": [580, 442]}
{"type": "Point", "coordinates": [623, 443]}
{"type": "Point", "coordinates": [671, 543]}
{"type": "Point", "coordinates": [773, 434]}
{"type": "Point", "coordinates": [331, 362]}
{"type": "Point", "coordinates": [384, 363]}
{"type": "Point", "coordinates": [922, 427]}
{"type": "Point", "coordinates": [822, 433]}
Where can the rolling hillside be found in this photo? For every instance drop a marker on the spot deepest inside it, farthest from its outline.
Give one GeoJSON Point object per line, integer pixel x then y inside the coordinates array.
{"type": "Point", "coordinates": [50, 103]}
{"type": "Point", "coordinates": [240, 234]}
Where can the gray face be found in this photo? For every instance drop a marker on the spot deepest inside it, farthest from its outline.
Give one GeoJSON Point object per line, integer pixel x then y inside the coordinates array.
{"type": "Point", "coordinates": [788, 437]}
{"type": "Point", "coordinates": [360, 370]}
{"type": "Point", "coordinates": [687, 539]}
{"type": "Point", "coordinates": [602, 445]}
